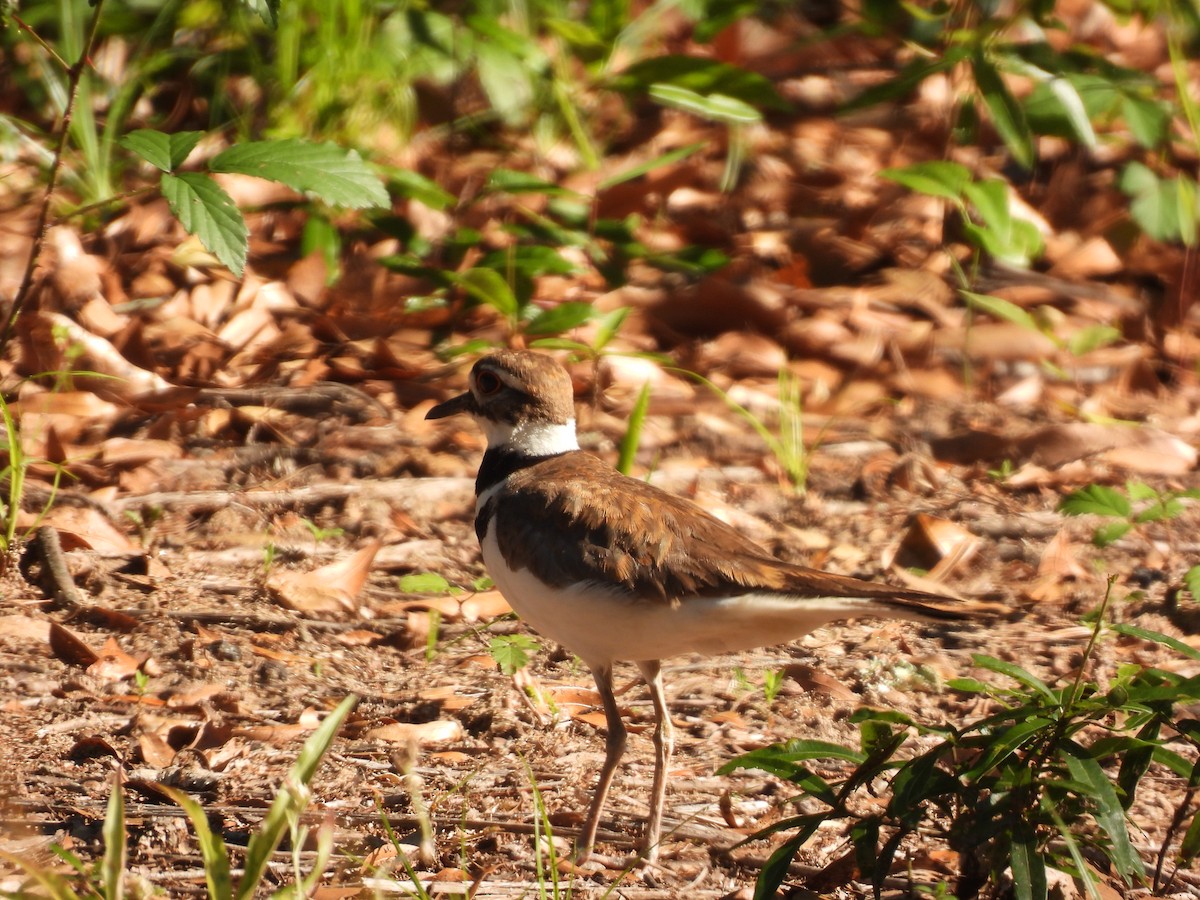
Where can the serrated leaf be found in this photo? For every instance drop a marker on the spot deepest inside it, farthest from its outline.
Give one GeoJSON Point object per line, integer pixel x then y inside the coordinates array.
{"type": "Point", "coordinates": [205, 210]}
{"type": "Point", "coordinates": [1096, 499]}
{"type": "Point", "coordinates": [1139, 490]}
{"type": "Point", "coordinates": [163, 151]}
{"type": "Point", "coordinates": [937, 178]}
{"type": "Point", "coordinates": [1110, 533]}
{"type": "Point", "coordinates": [325, 171]}
{"type": "Point", "coordinates": [511, 652]}
{"type": "Point", "coordinates": [1163, 508]}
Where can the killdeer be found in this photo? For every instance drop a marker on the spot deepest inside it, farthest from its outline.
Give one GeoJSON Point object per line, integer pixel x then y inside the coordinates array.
{"type": "Point", "coordinates": [616, 569]}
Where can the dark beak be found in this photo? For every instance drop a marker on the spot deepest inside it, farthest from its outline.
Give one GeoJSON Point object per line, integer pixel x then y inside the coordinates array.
{"type": "Point", "coordinates": [463, 403]}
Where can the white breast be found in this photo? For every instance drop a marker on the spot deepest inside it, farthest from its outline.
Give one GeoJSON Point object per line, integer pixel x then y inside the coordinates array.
{"type": "Point", "coordinates": [602, 626]}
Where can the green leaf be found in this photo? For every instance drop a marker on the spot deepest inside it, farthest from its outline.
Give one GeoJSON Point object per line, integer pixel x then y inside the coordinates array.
{"type": "Point", "coordinates": [633, 431]}
{"type": "Point", "coordinates": [1164, 508]}
{"type": "Point", "coordinates": [968, 685]}
{"type": "Point", "coordinates": [529, 260]}
{"type": "Point", "coordinates": [212, 847]}
{"type": "Point", "coordinates": [700, 76]}
{"type": "Point", "coordinates": [1192, 579]}
{"type": "Point", "coordinates": [1156, 637]}
{"type": "Point", "coordinates": [1149, 120]}
{"type": "Point", "coordinates": [643, 168]}
{"type": "Point", "coordinates": [205, 210]}
{"type": "Point", "coordinates": [1159, 206]}
{"type": "Point", "coordinates": [268, 11]}
{"type": "Point", "coordinates": [507, 78]}
{"type": "Point", "coordinates": [511, 651]}
{"type": "Point", "coordinates": [937, 178]}
{"type": "Point", "coordinates": [290, 800]}
{"type": "Point", "coordinates": [1096, 499]}
{"type": "Point", "coordinates": [423, 583]}
{"type": "Point", "coordinates": [1004, 110]}
{"type": "Point", "coordinates": [1110, 814]}
{"type": "Point", "coordinates": [112, 865]}
{"type": "Point", "coordinates": [781, 759]}
{"type": "Point", "coordinates": [1028, 867]}
{"type": "Point", "coordinates": [325, 171]}
{"type": "Point", "coordinates": [1092, 337]}
{"type": "Point", "coordinates": [1110, 533]}
{"type": "Point", "coordinates": [488, 287]}
{"type": "Point", "coordinates": [776, 868]}
{"type": "Point", "coordinates": [416, 186]}
{"type": "Point", "coordinates": [513, 182]}
{"type": "Point", "coordinates": [1189, 847]}
{"type": "Point", "coordinates": [1001, 309]}
{"type": "Point", "coordinates": [563, 317]}
{"type": "Point", "coordinates": [1073, 110]}
{"type": "Point", "coordinates": [1015, 672]}
{"type": "Point", "coordinates": [1139, 490]}
{"type": "Point", "coordinates": [906, 81]}
{"type": "Point", "coordinates": [715, 107]}
{"type": "Point", "coordinates": [164, 151]}
{"type": "Point", "coordinates": [609, 325]}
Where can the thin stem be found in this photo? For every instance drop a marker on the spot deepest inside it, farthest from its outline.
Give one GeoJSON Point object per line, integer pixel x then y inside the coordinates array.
{"type": "Point", "coordinates": [75, 76]}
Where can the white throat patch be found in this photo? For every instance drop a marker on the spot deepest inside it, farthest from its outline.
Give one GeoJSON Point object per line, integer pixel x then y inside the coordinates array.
{"type": "Point", "coordinates": [531, 438]}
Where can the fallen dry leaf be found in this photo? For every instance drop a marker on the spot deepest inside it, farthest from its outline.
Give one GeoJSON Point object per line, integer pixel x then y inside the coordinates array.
{"type": "Point", "coordinates": [330, 589]}
{"type": "Point", "coordinates": [69, 648]}
{"type": "Point", "coordinates": [440, 731]}
{"type": "Point", "coordinates": [112, 663]}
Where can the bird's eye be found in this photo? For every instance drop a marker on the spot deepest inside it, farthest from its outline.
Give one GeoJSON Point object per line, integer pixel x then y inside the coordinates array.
{"type": "Point", "coordinates": [488, 383]}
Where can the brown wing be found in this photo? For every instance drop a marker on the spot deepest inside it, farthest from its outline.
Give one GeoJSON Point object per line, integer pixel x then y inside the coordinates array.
{"type": "Point", "coordinates": [605, 527]}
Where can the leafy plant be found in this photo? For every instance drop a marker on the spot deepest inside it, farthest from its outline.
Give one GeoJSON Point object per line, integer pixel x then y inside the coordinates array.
{"type": "Point", "coordinates": [324, 171]}
{"type": "Point", "coordinates": [787, 444]}
{"type": "Point", "coordinates": [109, 876]}
{"type": "Point", "coordinates": [12, 477]}
{"type": "Point", "coordinates": [512, 651]}
{"type": "Point", "coordinates": [1024, 789]}
{"type": "Point", "coordinates": [772, 684]}
{"type": "Point", "coordinates": [283, 816]}
{"type": "Point", "coordinates": [1137, 505]}
{"type": "Point", "coordinates": [984, 206]}
{"type": "Point", "coordinates": [627, 451]}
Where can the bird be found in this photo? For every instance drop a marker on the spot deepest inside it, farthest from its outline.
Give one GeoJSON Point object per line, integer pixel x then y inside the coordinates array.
{"type": "Point", "coordinates": [618, 570]}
